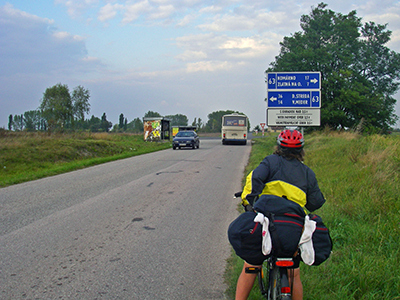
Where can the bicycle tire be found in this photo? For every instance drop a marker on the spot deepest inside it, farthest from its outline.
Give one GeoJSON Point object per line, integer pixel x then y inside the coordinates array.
{"type": "Point", "coordinates": [278, 278]}
{"type": "Point", "coordinates": [284, 282]}
{"type": "Point", "coordinates": [274, 284]}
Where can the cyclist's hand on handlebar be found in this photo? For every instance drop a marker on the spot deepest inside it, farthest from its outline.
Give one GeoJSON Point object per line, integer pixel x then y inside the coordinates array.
{"type": "Point", "coordinates": [238, 194]}
{"type": "Point", "coordinates": [246, 205]}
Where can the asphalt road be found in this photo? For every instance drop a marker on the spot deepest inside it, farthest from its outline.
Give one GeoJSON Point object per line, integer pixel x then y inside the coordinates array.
{"type": "Point", "coordinates": [147, 227]}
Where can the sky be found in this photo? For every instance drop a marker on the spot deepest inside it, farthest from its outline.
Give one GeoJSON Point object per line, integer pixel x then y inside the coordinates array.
{"type": "Point", "coordinates": [190, 57]}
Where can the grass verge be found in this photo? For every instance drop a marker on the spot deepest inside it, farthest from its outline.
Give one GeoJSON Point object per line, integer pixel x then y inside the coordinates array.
{"type": "Point", "coordinates": [359, 176]}
{"type": "Point", "coordinates": [29, 156]}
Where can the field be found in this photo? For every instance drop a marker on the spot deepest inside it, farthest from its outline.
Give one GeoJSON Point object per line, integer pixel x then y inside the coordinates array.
{"type": "Point", "coordinates": [29, 156]}
{"type": "Point", "coordinates": [359, 176]}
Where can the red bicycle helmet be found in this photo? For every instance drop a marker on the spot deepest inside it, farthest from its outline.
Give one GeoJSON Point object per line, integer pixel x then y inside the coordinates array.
{"type": "Point", "coordinates": [291, 139]}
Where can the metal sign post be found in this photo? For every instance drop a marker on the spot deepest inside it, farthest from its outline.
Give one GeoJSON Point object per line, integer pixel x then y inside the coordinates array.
{"type": "Point", "coordinates": [262, 126]}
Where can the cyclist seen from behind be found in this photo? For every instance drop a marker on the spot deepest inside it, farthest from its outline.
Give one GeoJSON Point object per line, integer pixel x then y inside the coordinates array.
{"type": "Point", "coordinates": [282, 174]}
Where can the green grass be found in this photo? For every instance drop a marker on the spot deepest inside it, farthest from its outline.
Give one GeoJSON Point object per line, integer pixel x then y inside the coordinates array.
{"type": "Point", "coordinates": [29, 156]}
{"type": "Point", "coordinates": [359, 176]}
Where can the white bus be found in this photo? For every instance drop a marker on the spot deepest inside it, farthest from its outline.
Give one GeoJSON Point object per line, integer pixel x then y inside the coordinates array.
{"type": "Point", "coordinates": [234, 129]}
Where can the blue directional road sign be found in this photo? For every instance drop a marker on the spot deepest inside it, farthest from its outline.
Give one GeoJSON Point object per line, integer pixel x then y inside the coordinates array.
{"type": "Point", "coordinates": [294, 81]}
{"type": "Point", "coordinates": [278, 99]}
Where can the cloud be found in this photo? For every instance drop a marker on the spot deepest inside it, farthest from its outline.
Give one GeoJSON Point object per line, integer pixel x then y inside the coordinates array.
{"type": "Point", "coordinates": [109, 11]}
{"type": "Point", "coordinates": [31, 45]}
{"type": "Point", "coordinates": [76, 7]}
{"type": "Point", "coordinates": [134, 11]}
{"type": "Point", "coordinates": [211, 9]}
{"type": "Point", "coordinates": [10, 15]}
{"type": "Point", "coordinates": [245, 47]}
{"type": "Point", "coordinates": [64, 36]}
{"type": "Point", "coordinates": [248, 19]}
{"type": "Point", "coordinates": [190, 55]}
{"type": "Point", "coordinates": [150, 11]}
{"type": "Point", "coordinates": [186, 20]}
{"type": "Point", "coordinates": [204, 50]}
{"type": "Point", "coordinates": [209, 66]}
{"type": "Point", "coordinates": [162, 12]}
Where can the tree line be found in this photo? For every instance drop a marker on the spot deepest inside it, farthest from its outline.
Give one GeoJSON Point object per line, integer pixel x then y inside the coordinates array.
{"type": "Point", "coordinates": [60, 110]}
{"type": "Point", "coordinates": [63, 111]}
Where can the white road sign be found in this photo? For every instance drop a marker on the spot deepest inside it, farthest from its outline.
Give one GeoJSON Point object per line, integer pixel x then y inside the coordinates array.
{"type": "Point", "coordinates": [293, 117]}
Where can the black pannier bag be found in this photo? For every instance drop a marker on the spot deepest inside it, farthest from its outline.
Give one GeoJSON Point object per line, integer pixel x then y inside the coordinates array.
{"type": "Point", "coordinates": [322, 241]}
{"type": "Point", "coordinates": [245, 236]}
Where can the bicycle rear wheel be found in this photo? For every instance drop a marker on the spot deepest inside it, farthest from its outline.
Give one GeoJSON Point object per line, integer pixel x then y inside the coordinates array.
{"type": "Point", "coordinates": [279, 288]}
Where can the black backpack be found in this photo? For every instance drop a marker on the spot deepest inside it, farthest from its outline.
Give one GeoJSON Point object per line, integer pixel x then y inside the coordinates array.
{"type": "Point", "coordinates": [245, 236]}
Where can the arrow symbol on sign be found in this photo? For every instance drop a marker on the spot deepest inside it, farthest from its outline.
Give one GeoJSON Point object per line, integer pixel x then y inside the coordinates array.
{"type": "Point", "coordinates": [273, 99]}
{"type": "Point", "coordinates": [314, 80]}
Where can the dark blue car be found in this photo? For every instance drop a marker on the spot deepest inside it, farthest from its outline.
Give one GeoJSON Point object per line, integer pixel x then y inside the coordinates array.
{"type": "Point", "coordinates": [186, 139]}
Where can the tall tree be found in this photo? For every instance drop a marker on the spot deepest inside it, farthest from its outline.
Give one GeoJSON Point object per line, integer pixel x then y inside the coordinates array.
{"type": "Point", "coordinates": [178, 120]}
{"type": "Point", "coordinates": [359, 73]}
{"type": "Point", "coordinates": [18, 123]}
{"type": "Point", "coordinates": [10, 122]}
{"type": "Point", "coordinates": [32, 120]}
{"type": "Point", "coordinates": [61, 109]}
{"type": "Point", "coordinates": [94, 124]}
{"type": "Point", "coordinates": [199, 123]}
{"type": "Point", "coordinates": [121, 121]}
{"type": "Point", "coordinates": [56, 106]}
{"type": "Point", "coordinates": [136, 126]}
{"type": "Point", "coordinates": [80, 101]}
{"type": "Point", "coordinates": [105, 125]}
{"type": "Point", "coordinates": [150, 114]}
